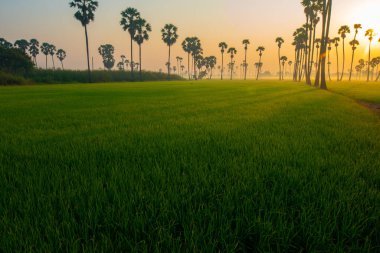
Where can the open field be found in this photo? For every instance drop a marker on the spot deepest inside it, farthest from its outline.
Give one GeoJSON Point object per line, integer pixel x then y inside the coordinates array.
{"type": "Point", "coordinates": [189, 166]}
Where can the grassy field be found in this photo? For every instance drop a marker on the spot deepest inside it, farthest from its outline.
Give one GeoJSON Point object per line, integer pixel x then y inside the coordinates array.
{"type": "Point", "coordinates": [189, 167]}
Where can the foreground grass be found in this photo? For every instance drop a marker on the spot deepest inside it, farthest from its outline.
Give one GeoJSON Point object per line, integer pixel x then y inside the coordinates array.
{"type": "Point", "coordinates": [198, 167]}
{"type": "Point", "coordinates": [361, 91]}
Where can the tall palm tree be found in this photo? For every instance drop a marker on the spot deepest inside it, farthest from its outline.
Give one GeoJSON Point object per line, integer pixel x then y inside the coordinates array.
{"type": "Point", "coordinates": [142, 34]}
{"type": "Point", "coordinates": [45, 49]}
{"type": "Point", "coordinates": [196, 52]}
{"type": "Point", "coordinates": [232, 51]}
{"type": "Point", "coordinates": [186, 46]}
{"type": "Point", "coordinates": [336, 43]}
{"type": "Point", "coordinates": [343, 30]}
{"type": "Point", "coordinates": [85, 14]}
{"type": "Point", "coordinates": [129, 18]}
{"type": "Point", "coordinates": [354, 43]}
{"type": "Point", "coordinates": [245, 43]}
{"type": "Point", "coordinates": [23, 45]}
{"type": "Point", "coordinates": [260, 49]}
{"type": "Point", "coordinates": [169, 36]}
{"type": "Point", "coordinates": [279, 42]}
{"type": "Point", "coordinates": [61, 55]}
{"type": "Point", "coordinates": [34, 50]}
{"type": "Point", "coordinates": [52, 50]}
{"type": "Point", "coordinates": [283, 60]}
{"type": "Point", "coordinates": [370, 34]}
{"type": "Point", "coordinates": [223, 46]}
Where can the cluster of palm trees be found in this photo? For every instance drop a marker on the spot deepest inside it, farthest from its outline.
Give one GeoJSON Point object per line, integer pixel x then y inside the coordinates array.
{"type": "Point", "coordinates": [33, 48]}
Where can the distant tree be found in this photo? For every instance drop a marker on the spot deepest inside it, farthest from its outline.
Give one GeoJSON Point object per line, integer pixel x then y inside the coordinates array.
{"type": "Point", "coordinates": [13, 60]}
{"type": "Point", "coordinates": [107, 51]}
{"type": "Point", "coordinates": [279, 42]}
{"type": "Point", "coordinates": [290, 63]}
{"type": "Point", "coordinates": [336, 43]}
{"type": "Point", "coordinates": [232, 51]}
{"type": "Point", "coordinates": [317, 43]}
{"type": "Point", "coordinates": [34, 50]}
{"type": "Point", "coordinates": [260, 49]}
{"type": "Point", "coordinates": [45, 49]}
{"type": "Point", "coordinates": [245, 65]}
{"type": "Point", "coordinates": [196, 53]}
{"type": "Point", "coordinates": [354, 43]}
{"type": "Point", "coordinates": [370, 34]}
{"type": "Point", "coordinates": [129, 22]}
{"type": "Point", "coordinates": [5, 44]}
{"type": "Point", "coordinates": [169, 36]}
{"type": "Point", "coordinates": [123, 62]}
{"type": "Point", "coordinates": [120, 65]}
{"type": "Point", "coordinates": [378, 76]}
{"type": "Point", "coordinates": [187, 47]}
{"type": "Point", "coordinates": [343, 30]}
{"type": "Point", "coordinates": [329, 47]}
{"type": "Point", "coordinates": [22, 45]}
{"type": "Point", "coordinates": [210, 63]}
{"type": "Point", "coordinates": [61, 55]}
{"type": "Point", "coordinates": [283, 60]}
{"type": "Point", "coordinates": [142, 34]}
{"type": "Point", "coordinates": [85, 14]}
{"type": "Point", "coordinates": [223, 46]}
{"type": "Point", "coordinates": [52, 50]}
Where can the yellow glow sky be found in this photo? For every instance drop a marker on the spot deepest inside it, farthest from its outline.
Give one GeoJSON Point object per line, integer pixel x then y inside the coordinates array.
{"type": "Point", "coordinates": [212, 21]}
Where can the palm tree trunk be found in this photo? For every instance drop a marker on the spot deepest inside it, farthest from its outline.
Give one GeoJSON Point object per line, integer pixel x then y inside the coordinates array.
{"type": "Point", "coordinates": [221, 78]}
{"type": "Point", "coordinates": [337, 63]}
{"type": "Point", "coordinates": [369, 59]}
{"type": "Point", "coordinates": [279, 62]}
{"type": "Point", "coordinates": [132, 63]}
{"type": "Point", "coordinates": [344, 59]}
{"type": "Point", "coordinates": [324, 43]}
{"type": "Point", "coordinates": [188, 64]}
{"type": "Point", "coordinates": [378, 77]}
{"type": "Point", "coordinates": [46, 60]}
{"type": "Point", "coordinates": [169, 65]}
{"type": "Point", "coordinates": [232, 69]}
{"type": "Point", "coordinates": [353, 56]}
{"type": "Point", "coordinates": [258, 69]}
{"type": "Point", "coordinates": [52, 59]}
{"type": "Point", "coordinates": [62, 65]}
{"type": "Point", "coordinates": [140, 73]}
{"type": "Point", "coordinates": [312, 54]}
{"type": "Point", "coordinates": [329, 64]}
{"type": "Point", "coordinates": [245, 65]}
{"type": "Point", "coordinates": [88, 54]}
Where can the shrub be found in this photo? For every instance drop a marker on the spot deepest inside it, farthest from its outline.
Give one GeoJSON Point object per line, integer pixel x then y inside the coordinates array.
{"type": "Point", "coordinates": [10, 79]}
{"type": "Point", "coordinates": [15, 61]}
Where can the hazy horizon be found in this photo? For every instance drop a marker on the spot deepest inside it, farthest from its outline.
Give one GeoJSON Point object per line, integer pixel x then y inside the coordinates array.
{"type": "Point", "coordinates": [212, 21]}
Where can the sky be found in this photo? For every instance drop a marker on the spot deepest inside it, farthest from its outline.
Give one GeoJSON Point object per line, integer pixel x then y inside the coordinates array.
{"type": "Point", "coordinates": [212, 21]}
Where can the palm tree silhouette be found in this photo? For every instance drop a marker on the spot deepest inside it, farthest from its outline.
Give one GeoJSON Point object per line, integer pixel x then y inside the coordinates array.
{"type": "Point", "coordinates": [245, 43]}
{"type": "Point", "coordinates": [196, 52]}
{"type": "Point", "coordinates": [5, 44]}
{"type": "Point", "coordinates": [52, 50]}
{"type": "Point", "coordinates": [354, 43]}
{"type": "Point", "coordinates": [370, 34]}
{"type": "Point", "coordinates": [317, 43]}
{"type": "Point", "coordinates": [169, 36]}
{"type": "Point", "coordinates": [290, 63]}
{"type": "Point", "coordinates": [45, 49]}
{"type": "Point", "coordinates": [279, 42]}
{"type": "Point", "coordinates": [23, 45]}
{"type": "Point", "coordinates": [61, 55]}
{"type": "Point", "coordinates": [142, 34]}
{"type": "Point", "coordinates": [34, 49]}
{"type": "Point", "coordinates": [283, 60]}
{"type": "Point", "coordinates": [85, 14]}
{"type": "Point", "coordinates": [232, 51]}
{"type": "Point", "coordinates": [260, 49]}
{"type": "Point", "coordinates": [329, 47]}
{"type": "Point", "coordinates": [336, 43]}
{"type": "Point", "coordinates": [129, 22]}
{"type": "Point", "coordinates": [343, 30]}
{"type": "Point", "coordinates": [187, 47]}
{"type": "Point", "coordinates": [223, 46]}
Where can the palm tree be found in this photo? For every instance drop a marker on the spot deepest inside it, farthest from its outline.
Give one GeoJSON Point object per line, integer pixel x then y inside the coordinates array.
{"type": "Point", "coordinates": [336, 43]}
{"type": "Point", "coordinates": [123, 61]}
{"type": "Point", "coordinates": [223, 46]}
{"type": "Point", "coordinates": [343, 30]}
{"type": "Point", "coordinates": [142, 34]}
{"type": "Point", "coordinates": [61, 55]}
{"type": "Point", "coordinates": [245, 43]}
{"type": "Point", "coordinates": [5, 44]}
{"type": "Point", "coordinates": [196, 52]}
{"type": "Point", "coordinates": [169, 36]}
{"type": "Point", "coordinates": [186, 46]}
{"type": "Point", "coordinates": [129, 22]}
{"type": "Point", "coordinates": [85, 14]}
{"type": "Point", "coordinates": [232, 51]}
{"type": "Point", "coordinates": [370, 34]}
{"type": "Point", "coordinates": [260, 49]}
{"type": "Point", "coordinates": [317, 43]}
{"type": "Point", "coordinates": [354, 43]}
{"type": "Point", "coordinates": [45, 49]}
{"type": "Point", "coordinates": [279, 42]}
{"type": "Point", "coordinates": [34, 49]}
{"type": "Point", "coordinates": [283, 60]}
{"type": "Point", "coordinates": [290, 63]}
{"type": "Point", "coordinates": [52, 50]}
{"type": "Point", "coordinates": [23, 45]}
{"type": "Point", "coordinates": [329, 47]}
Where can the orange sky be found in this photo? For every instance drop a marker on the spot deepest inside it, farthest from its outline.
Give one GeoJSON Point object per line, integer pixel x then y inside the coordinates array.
{"type": "Point", "coordinates": [212, 21]}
